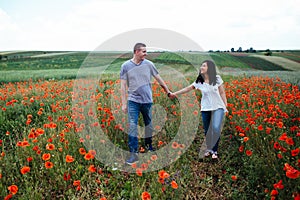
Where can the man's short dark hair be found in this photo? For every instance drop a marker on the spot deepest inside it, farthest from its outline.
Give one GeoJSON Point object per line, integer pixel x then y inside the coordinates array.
{"type": "Point", "coordinates": [137, 46]}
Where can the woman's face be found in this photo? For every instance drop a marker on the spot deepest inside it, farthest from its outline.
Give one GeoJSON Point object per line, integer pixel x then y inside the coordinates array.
{"type": "Point", "coordinates": [203, 68]}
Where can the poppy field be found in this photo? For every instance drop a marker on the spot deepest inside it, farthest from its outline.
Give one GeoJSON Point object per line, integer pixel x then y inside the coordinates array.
{"type": "Point", "coordinates": [52, 138]}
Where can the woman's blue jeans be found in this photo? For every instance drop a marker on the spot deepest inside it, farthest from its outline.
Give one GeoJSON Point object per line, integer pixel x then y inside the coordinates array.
{"type": "Point", "coordinates": [212, 123]}
{"type": "Point", "coordinates": [134, 109]}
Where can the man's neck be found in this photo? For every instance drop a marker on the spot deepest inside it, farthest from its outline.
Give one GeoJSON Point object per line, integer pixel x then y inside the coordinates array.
{"type": "Point", "coordinates": [136, 60]}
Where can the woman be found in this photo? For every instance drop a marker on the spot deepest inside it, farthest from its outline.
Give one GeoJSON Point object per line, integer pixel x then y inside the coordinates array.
{"type": "Point", "coordinates": [213, 104]}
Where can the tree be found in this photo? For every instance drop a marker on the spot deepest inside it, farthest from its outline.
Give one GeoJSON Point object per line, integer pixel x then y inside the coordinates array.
{"type": "Point", "coordinates": [268, 52]}
{"type": "Point", "coordinates": [240, 49]}
{"type": "Point", "coordinates": [232, 50]}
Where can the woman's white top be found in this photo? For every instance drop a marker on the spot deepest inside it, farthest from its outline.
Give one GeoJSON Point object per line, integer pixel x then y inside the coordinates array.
{"type": "Point", "coordinates": [211, 98]}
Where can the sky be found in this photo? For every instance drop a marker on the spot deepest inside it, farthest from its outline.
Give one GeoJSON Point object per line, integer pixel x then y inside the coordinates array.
{"type": "Point", "coordinates": [83, 25]}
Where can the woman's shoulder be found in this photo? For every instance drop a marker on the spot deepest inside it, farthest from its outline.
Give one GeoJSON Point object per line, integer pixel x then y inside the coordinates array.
{"type": "Point", "coordinates": [197, 85]}
{"type": "Point", "coordinates": [218, 76]}
{"type": "Point", "coordinates": [219, 80]}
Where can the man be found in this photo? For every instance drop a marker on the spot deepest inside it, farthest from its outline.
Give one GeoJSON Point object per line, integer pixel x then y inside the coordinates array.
{"type": "Point", "coordinates": [136, 74]}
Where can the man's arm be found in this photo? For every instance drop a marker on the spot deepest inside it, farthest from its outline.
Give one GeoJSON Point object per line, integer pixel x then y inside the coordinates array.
{"type": "Point", "coordinates": [162, 83]}
{"type": "Point", "coordinates": [123, 95]}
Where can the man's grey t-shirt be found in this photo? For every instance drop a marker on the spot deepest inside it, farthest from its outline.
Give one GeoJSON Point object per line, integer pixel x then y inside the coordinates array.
{"type": "Point", "coordinates": [138, 79]}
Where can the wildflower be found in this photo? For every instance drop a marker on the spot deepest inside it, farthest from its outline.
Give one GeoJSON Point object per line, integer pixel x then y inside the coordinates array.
{"type": "Point", "coordinates": [233, 177]}
{"type": "Point", "coordinates": [67, 176]}
{"type": "Point", "coordinates": [291, 172]}
{"type": "Point", "coordinates": [260, 128]}
{"type": "Point", "coordinates": [133, 165]}
{"type": "Point", "coordinates": [279, 124]}
{"type": "Point", "coordinates": [161, 180]}
{"type": "Point", "coordinates": [13, 189]}
{"type": "Point", "coordinates": [46, 156]}
{"type": "Point", "coordinates": [295, 152]}
{"type": "Point", "coordinates": [146, 196]}
{"type": "Point", "coordinates": [290, 141]}
{"type": "Point", "coordinates": [49, 165]}
{"type": "Point", "coordinates": [139, 172]}
{"type": "Point", "coordinates": [9, 196]}
{"type": "Point", "coordinates": [241, 149]}
{"type": "Point", "coordinates": [88, 156]}
{"type": "Point", "coordinates": [25, 170]}
{"type": "Point", "coordinates": [195, 112]}
{"type": "Point", "coordinates": [82, 151]}
{"type": "Point", "coordinates": [92, 168]}
{"type": "Point", "coordinates": [50, 147]}
{"type": "Point", "coordinates": [274, 193]}
{"type": "Point", "coordinates": [174, 145]}
{"type": "Point", "coordinates": [163, 174]}
{"type": "Point", "coordinates": [174, 185]}
{"type": "Point", "coordinates": [76, 183]}
{"type": "Point", "coordinates": [283, 137]}
{"type": "Point", "coordinates": [154, 157]}
{"type": "Point", "coordinates": [248, 152]}
{"type": "Point", "coordinates": [278, 185]}
{"type": "Point", "coordinates": [276, 145]}
{"type": "Point", "coordinates": [35, 148]}
{"type": "Point", "coordinates": [52, 125]}
{"type": "Point", "coordinates": [181, 146]}
{"type": "Point", "coordinates": [160, 143]}
{"type": "Point", "coordinates": [144, 166]}
{"type": "Point", "coordinates": [268, 130]}
{"type": "Point", "coordinates": [93, 152]}
{"type": "Point", "coordinates": [69, 159]}
{"type": "Point", "coordinates": [142, 149]}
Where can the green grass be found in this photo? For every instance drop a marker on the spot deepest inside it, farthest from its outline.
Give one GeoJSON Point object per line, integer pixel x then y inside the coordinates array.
{"type": "Point", "coordinates": [197, 179]}
{"type": "Point", "coordinates": [260, 64]}
{"type": "Point", "coordinates": [292, 55]}
{"type": "Point", "coordinates": [60, 65]}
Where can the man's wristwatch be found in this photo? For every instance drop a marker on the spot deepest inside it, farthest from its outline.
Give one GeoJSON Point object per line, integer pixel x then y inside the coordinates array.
{"type": "Point", "coordinates": [168, 94]}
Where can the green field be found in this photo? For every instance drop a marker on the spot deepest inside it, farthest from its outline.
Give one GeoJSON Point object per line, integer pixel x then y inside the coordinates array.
{"type": "Point", "coordinates": [19, 66]}
{"type": "Point", "coordinates": [60, 111]}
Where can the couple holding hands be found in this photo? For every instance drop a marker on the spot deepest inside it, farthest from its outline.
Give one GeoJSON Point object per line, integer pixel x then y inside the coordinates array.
{"type": "Point", "coordinates": [136, 94]}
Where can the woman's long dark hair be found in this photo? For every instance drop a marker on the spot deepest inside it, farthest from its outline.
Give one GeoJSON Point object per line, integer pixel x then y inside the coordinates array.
{"type": "Point", "coordinates": [211, 71]}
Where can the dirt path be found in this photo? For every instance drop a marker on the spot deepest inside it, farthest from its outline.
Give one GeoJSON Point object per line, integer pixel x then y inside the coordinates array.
{"type": "Point", "coordinates": [284, 62]}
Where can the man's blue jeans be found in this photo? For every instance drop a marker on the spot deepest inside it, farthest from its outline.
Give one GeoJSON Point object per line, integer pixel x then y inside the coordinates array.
{"type": "Point", "coordinates": [212, 123]}
{"type": "Point", "coordinates": [134, 109]}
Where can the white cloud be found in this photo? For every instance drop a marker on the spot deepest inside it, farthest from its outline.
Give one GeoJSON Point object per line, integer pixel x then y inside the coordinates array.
{"type": "Point", "coordinates": [84, 25]}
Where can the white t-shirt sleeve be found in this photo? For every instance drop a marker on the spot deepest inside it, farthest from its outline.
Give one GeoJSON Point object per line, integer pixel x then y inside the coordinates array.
{"type": "Point", "coordinates": [219, 80]}
{"type": "Point", "coordinates": [196, 85]}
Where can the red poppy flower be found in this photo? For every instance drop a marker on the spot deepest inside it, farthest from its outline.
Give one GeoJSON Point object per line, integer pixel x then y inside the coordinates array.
{"type": "Point", "coordinates": [25, 170]}
{"type": "Point", "coordinates": [146, 196]}
{"type": "Point", "coordinates": [69, 159]}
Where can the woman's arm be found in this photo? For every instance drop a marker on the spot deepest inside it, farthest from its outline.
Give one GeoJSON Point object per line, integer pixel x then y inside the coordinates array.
{"type": "Point", "coordinates": [182, 91]}
{"type": "Point", "coordinates": [223, 94]}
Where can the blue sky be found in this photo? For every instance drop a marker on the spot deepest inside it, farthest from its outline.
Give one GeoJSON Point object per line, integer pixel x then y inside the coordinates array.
{"type": "Point", "coordinates": [86, 24]}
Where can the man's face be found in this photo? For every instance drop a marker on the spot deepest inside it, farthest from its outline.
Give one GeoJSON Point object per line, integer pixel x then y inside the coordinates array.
{"type": "Point", "coordinates": [141, 53]}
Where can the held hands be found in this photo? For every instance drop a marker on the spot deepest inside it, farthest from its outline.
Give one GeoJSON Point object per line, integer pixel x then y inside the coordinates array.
{"type": "Point", "coordinates": [172, 95]}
